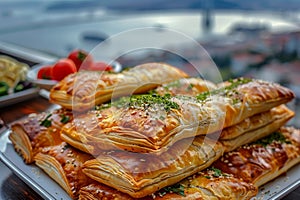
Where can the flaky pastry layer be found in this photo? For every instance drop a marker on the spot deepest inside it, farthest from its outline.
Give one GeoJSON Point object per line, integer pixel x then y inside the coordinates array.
{"type": "Point", "coordinates": [265, 159]}
{"type": "Point", "coordinates": [139, 174]}
{"type": "Point", "coordinates": [83, 90]}
{"type": "Point", "coordinates": [63, 164]}
{"type": "Point", "coordinates": [35, 131]}
{"type": "Point", "coordinates": [153, 123]}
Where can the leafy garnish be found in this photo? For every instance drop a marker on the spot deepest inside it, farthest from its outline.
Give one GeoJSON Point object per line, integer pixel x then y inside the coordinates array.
{"type": "Point", "coordinates": [177, 189]}
{"type": "Point", "coordinates": [277, 136]}
{"type": "Point", "coordinates": [217, 172]}
{"type": "Point", "coordinates": [147, 100]}
{"type": "Point", "coordinates": [46, 122]}
{"type": "Point", "coordinates": [143, 101]}
{"type": "Point", "coordinates": [226, 91]}
{"type": "Point", "coordinates": [64, 118]}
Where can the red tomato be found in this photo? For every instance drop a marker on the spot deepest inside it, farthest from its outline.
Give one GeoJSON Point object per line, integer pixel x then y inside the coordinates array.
{"type": "Point", "coordinates": [81, 59]}
{"type": "Point", "coordinates": [62, 68]}
{"type": "Point", "coordinates": [100, 66]}
{"type": "Point", "coordinates": [45, 72]}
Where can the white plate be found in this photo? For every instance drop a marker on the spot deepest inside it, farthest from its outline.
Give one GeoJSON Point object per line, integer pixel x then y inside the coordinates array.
{"type": "Point", "coordinates": [49, 189]}
{"type": "Point", "coordinates": [48, 84]}
{"type": "Point", "coordinates": [42, 83]}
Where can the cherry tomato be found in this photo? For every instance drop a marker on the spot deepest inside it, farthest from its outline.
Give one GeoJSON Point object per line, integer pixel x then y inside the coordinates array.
{"type": "Point", "coordinates": [100, 66]}
{"type": "Point", "coordinates": [81, 59]}
{"type": "Point", "coordinates": [45, 72]}
{"type": "Point", "coordinates": [62, 68]}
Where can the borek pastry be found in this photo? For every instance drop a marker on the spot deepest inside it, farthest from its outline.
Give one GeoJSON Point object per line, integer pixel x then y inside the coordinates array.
{"type": "Point", "coordinates": [35, 131]}
{"type": "Point", "coordinates": [84, 90]}
{"type": "Point", "coordinates": [153, 123]}
{"type": "Point", "coordinates": [139, 174]}
{"type": "Point", "coordinates": [63, 163]}
{"type": "Point", "coordinates": [265, 159]}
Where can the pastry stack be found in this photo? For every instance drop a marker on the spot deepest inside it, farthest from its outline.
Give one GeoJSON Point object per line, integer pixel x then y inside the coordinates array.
{"type": "Point", "coordinates": [152, 132]}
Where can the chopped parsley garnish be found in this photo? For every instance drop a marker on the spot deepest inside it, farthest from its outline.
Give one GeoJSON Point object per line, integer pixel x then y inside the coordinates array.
{"type": "Point", "coordinates": [64, 118]}
{"type": "Point", "coordinates": [177, 189]}
{"type": "Point", "coordinates": [46, 122]}
{"type": "Point", "coordinates": [226, 91]}
{"type": "Point", "coordinates": [147, 100]}
{"type": "Point", "coordinates": [217, 172]}
{"type": "Point", "coordinates": [277, 136]}
{"type": "Point", "coordinates": [143, 101]}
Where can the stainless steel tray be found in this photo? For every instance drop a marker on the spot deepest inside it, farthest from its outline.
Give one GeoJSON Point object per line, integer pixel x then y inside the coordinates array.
{"type": "Point", "coordinates": [39, 181]}
{"type": "Point", "coordinates": [18, 97]}
{"type": "Point", "coordinates": [49, 189]}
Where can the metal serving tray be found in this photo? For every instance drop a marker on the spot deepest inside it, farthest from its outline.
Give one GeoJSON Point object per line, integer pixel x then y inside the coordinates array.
{"type": "Point", "coordinates": [49, 189]}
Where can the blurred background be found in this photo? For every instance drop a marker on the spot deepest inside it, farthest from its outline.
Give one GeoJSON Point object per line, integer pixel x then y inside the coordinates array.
{"type": "Point", "coordinates": [257, 38]}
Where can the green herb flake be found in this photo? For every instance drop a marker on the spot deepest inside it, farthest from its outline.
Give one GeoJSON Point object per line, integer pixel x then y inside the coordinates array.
{"type": "Point", "coordinates": [46, 122]}
{"type": "Point", "coordinates": [225, 91]}
{"type": "Point", "coordinates": [177, 189]}
{"type": "Point", "coordinates": [142, 101]}
{"type": "Point", "coordinates": [208, 177]}
{"type": "Point", "coordinates": [277, 136]}
{"type": "Point", "coordinates": [145, 101]}
{"type": "Point", "coordinates": [64, 119]}
{"type": "Point", "coordinates": [217, 172]}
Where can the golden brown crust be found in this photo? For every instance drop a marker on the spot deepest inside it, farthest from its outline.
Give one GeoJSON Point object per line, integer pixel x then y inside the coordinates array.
{"type": "Point", "coordinates": [63, 163]}
{"type": "Point", "coordinates": [264, 160]}
{"type": "Point", "coordinates": [201, 186]}
{"type": "Point", "coordinates": [84, 90]}
{"type": "Point", "coordinates": [255, 127]}
{"type": "Point", "coordinates": [150, 128]}
{"type": "Point", "coordinates": [142, 174]}
{"type": "Point", "coordinates": [255, 96]}
{"type": "Point", "coordinates": [211, 184]}
{"type": "Point", "coordinates": [30, 134]}
{"type": "Point", "coordinates": [186, 86]}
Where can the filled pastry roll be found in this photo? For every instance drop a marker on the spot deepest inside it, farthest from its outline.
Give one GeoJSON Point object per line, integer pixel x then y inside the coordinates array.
{"type": "Point", "coordinates": [152, 123]}
{"type": "Point", "coordinates": [265, 159]}
{"type": "Point", "coordinates": [84, 90]}
{"type": "Point", "coordinates": [139, 174]}
{"type": "Point", "coordinates": [35, 131]}
{"type": "Point", "coordinates": [185, 86]}
{"type": "Point", "coordinates": [63, 164]}
{"type": "Point", "coordinates": [208, 184]}
{"type": "Point", "coordinates": [255, 127]}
